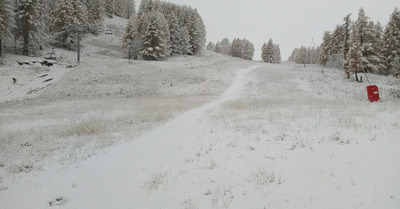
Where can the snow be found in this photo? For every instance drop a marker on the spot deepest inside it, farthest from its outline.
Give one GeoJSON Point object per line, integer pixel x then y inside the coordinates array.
{"type": "Point", "coordinates": [193, 132]}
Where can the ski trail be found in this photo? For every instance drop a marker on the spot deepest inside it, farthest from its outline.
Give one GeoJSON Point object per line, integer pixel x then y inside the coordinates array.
{"type": "Point", "coordinates": [118, 178]}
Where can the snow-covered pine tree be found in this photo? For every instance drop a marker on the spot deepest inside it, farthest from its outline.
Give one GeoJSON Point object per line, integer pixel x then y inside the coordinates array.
{"type": "Point", "coordinates": [268, 52]}
{"type": "Point", "coordinates": [96, 16]}
{"type": "Point", "coordinates": [175, 35]}
{"type": "Point", "coordinates": [143, 7]}
{"type": "Point", "coordinates": [248, 50]}
{"type": "Point", "coordinates": [335, 56]}
{"type": "Point", "coordinates": [237, 48]}
{"type": "Point", "coordinates": [30, 23]}
{"type": "Point", "coordinates": [80, 12]}
{"type": "Point", "coordinates": [155, 40]}
{"type": "Point", "coordinates": [361, 24]}
{"type": "Point", "coordinates": [325, 48]}
{"type": "Point", "coordinates": [211, 46]}
{"type": "Point", "coordinates": [365, 30]}
{"type": "Point", "coordinates": [391, 41]}
{"type": "Point", "coordinates": [223, 47]}
{"type": "Point", "coordinates": [354, 57]}
{"type": "Point", "coordinates": [314, 55]}
{"type": "Point", "coordinates": [6, 20]}
{"type": "Point", "coordinates": [337, 41]}
{"type": "Point", "coordinates": [184, 39]}
{"type": "Point", "coordinates": [347, 31]}
{"type": "Point", "coordinates": [277, 54]}
{"type": "Point", "coordinates": [263, 52]}
{"type": "Point", "coordinates": [119, 8]}
{"type": "Point", "coordinates": [197, 31]}
{"type": "Point", "coordinates": [301, 55]}
{"type": "Point", "coordinates": [64, 23]}
{"type": "Point", "coordinates": [143, 19]}
{"type": "Point", "coordinates": [130, 8]}
{"type": "Point", "coordinates": [109, 6]}
{"type": "Point", "coordinates": [132, 42]}
{"type": "Point", "coordinates": [372, 49]}
{"type": "Point", "coordinates": [46, 13]}
{"type": "Point", "coordinates": [167, 34]}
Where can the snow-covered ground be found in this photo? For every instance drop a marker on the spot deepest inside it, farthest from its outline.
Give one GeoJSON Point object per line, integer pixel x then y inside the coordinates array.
{"type": "Point", "coordinates": [193, 132]}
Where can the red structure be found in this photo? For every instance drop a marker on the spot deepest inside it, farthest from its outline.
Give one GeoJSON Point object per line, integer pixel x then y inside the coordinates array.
{"type": "Point", "coordinates": [373, 93]}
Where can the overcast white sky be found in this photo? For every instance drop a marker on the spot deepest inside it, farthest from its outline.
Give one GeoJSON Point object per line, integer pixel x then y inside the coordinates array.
{"type": "Point", "coordinates": [290, 23]}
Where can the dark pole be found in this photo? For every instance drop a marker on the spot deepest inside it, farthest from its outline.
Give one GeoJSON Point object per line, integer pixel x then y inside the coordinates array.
{"type": "Point", "coordinates": [79, 46]}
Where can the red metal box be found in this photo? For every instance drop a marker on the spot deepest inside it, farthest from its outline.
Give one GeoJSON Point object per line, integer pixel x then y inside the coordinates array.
{"type": "Point", "coordinates": [373, 93]}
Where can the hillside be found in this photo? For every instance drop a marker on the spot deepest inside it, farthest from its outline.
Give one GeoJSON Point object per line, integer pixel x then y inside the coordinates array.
{"type": "Point", "coordinates": [205, 131]}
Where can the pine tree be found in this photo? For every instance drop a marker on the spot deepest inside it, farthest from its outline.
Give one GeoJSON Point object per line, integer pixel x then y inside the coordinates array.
{"type": "Point", "coordinates": [197, 31]}
{"type": "Point", "coordinates": [119, 8]}
{"type": "Point", "coordinates": [237, 48]}
{"type": "Point", "coordinates": [263, 52]}
{"type": "Point", "coordinates": [131, 42]}
{"type": "Point", "coordinates": [325, 48]}
{"type": "Point", "coordinates": [277, 53]}
{"type": "Point", "coordinates": [361, 25]}
{"type": "Point", "coordinates": [248, 50]}
{"type": "Point", "coordinates": [65, 22]}
{"type": "Point", "coordinates": [372, 49]}
{"type": "Point", "coordinates": [338, 39]}
{"type": "Point", "coordinates": [175, 35]}
{"type": "Point", "coordinates": [96, 16]}
{"type": "Point", "coordinates": [109, 6]}
{"type": "Point", "coordinates": [391, 42]}
{"type": "Point", "coordinates": [6, 20]}
{"type": "Point", "coordinates": [210, 46]}
{"type": "Point", "coordinates": [129, 8]}
{"type": "Point", "coordinates": [268, 52]}
{"type": "Point", "coordinates": [79, 11]}
{"type": "Point", "coordinates": [347, 30]}
{"type": "Point", "coordinates": [184, 39]}
{"type": "Point", "coordinates": [30, 23]}
{"type": "Point", "coordinates": [223, 47]}
{"type": "Point", "coordinates": [370, 43]}
{"type": "Point", "coordinates": [354, 57]}
{"type": "Point", "coordinates": [155, 40]}
{"type": "Point", "coordinates": [143, 7]}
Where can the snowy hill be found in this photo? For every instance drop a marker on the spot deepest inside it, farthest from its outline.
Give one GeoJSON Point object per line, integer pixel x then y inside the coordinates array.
{"type": "Point", "coordinates": [192, 132]}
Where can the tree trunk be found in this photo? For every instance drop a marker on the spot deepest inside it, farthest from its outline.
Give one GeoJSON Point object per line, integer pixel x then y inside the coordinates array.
{"type": "Point", "coordinates": [356, 76]}
{"type": "Point", "coordinates": [65, 36]}
{"type": "Point", "coordinates": [26, 36]}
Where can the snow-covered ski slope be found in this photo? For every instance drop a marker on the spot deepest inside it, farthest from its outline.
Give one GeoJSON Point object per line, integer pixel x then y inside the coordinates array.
{"type": "Point", "coordinates": [193, 132]}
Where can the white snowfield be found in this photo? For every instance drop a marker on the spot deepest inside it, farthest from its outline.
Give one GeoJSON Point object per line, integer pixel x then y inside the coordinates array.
{"type": "Point", "coordinates": [192, 133]}
{"type": "Point", "coordinates": [279, 137]}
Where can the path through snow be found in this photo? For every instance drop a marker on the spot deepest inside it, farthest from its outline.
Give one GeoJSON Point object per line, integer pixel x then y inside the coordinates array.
{"type": "Point", "coordinates": [126, 176]}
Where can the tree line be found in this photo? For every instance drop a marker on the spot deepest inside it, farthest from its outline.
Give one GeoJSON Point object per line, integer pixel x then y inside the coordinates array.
{"type": "Point", "coordinates": [161, 29]}
{"type": "Point", "coordinates": [363, 45]}
{"type": "Point", "coordinates": [243, 48]}
{"type": "Point", "coordinates": [32, 24]}
{"type": "Point", "coordinates": [157, 30]}
{"type": "Point", "coordinates": [305, 55]}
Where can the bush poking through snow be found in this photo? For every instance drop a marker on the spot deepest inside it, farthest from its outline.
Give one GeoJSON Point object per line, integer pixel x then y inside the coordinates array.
{"type": "Point", "coordinates": [24, 168]}
{"type": "Point", "coordinates": [85, 128]}
{"type": "Point", "coordinates": [189, 204]}
{"type": "Point", "coordinates": [263, 177]}
{"type": "Point", "coordinates": [155, 182]}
